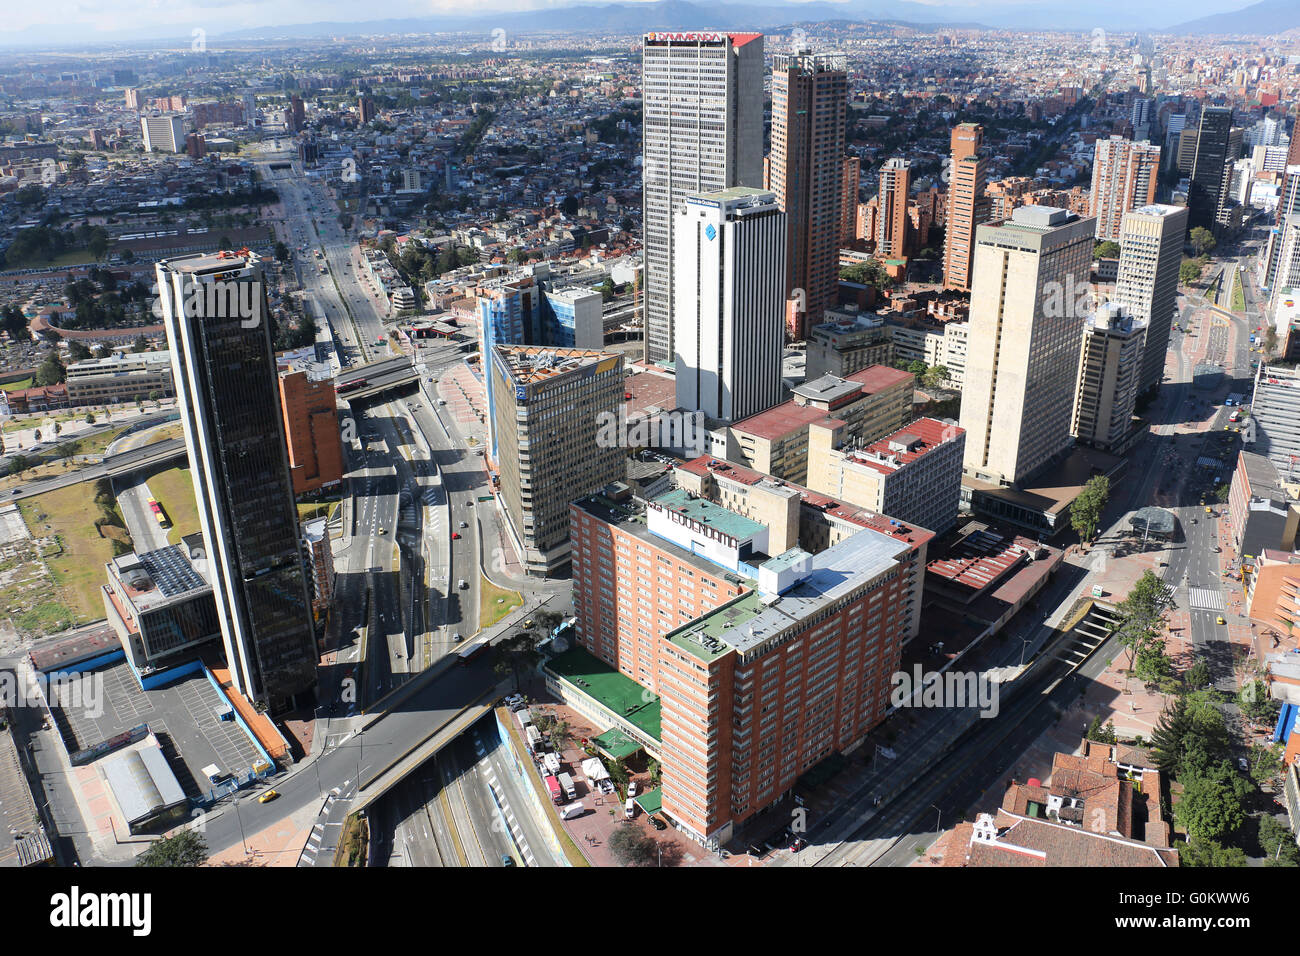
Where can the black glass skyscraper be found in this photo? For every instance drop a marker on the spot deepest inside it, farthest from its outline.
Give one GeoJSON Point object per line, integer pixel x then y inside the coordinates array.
{"type": "Point", "coordinates": [225, 376]}
{"type": "Point", "coordinates": [1206, 192]}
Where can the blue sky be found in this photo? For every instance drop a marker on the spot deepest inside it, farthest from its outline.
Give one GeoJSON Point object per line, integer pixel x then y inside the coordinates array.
{"type": "Point", "coordinates": [149, 17]}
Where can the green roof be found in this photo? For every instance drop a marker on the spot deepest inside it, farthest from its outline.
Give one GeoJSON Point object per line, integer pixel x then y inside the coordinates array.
{"type": "Point", "coordinates": [616, 692]}
{"type": "Point", "coordinates": [616, 743]}
{"type": "Point", "coordinates": [652, 801]}
{"type": "Point", "coordinates": [706, 512]}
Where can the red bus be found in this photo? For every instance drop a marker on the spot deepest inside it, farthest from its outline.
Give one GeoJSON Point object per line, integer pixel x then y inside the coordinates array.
{"type": "Point", "coordinates": [467, 654]}
{"type": "Point", "coordinates": [349, 386]}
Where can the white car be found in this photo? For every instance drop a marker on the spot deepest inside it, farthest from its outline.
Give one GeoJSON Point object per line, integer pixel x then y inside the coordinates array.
{"type": "Point", "coordinates": [631, 789]}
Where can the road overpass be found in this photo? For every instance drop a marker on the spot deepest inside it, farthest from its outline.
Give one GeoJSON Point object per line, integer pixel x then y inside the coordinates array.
{"type": "Point", "coordinates": [379, 377]}
{"type": "Point", "coordinates": [113, 466]}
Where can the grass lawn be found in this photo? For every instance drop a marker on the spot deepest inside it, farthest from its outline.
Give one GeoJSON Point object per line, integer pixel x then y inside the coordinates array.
{"type": "Point", "coordinates": [494, 603]}
{"type": "Point", "coordinates": [175, 492]}
{"type": "Point", "coordinates": [13, 386]}
{"type": "Point", "coordinates": [79, 569]}
{"type": "Point", "coordinates": [1238, 294]}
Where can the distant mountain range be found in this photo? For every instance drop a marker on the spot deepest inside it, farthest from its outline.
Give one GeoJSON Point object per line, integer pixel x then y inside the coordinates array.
{"type": "Point", "coordinates": [1265, 17]}
{"type": "Point", "coordinates": [1118, 16]}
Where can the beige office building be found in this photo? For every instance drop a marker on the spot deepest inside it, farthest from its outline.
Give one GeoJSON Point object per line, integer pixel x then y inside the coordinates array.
{"type": "Point", "coordinates": [549, 408]}
{"type": "Point", "coordinates": [120, 378]}
{"type": "Point", "coordinates": [1018, 398]}
{"type": "Point", "coordinates": [1151, 248]}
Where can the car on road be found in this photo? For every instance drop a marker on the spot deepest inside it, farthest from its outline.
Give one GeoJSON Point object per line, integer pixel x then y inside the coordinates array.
{"type": "Point", "coordinates": [462, 584]}
{"type": "Point", "coordinates": [1220, 620]}
{"type": "Point", "coordinates": [383, 531]}
{"type": "Point", "coordinates": [464, 524]}
{"type": "Point", "coordinates": [507, 860]}
{"type": "Point", "coordinates": [268, 796]}
{"type": "Point", "coordinates": [455, 536]}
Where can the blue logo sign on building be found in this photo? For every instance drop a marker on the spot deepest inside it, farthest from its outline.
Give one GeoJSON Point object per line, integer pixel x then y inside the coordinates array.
{"type": "Point", "coordinates": [710, 232]}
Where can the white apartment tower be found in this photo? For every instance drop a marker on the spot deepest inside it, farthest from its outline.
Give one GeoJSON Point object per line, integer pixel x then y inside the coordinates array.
{"type": "Point", "coordinates": [163, 132]}
{"type": "Point", "coordinates": [1018, 398]}
{"type": "Point", "coordinates": [728, 311]}
{"type": "Point", "coordinates": [702, 110]}
{"type": "Point", "coordinates": [1150, 250]}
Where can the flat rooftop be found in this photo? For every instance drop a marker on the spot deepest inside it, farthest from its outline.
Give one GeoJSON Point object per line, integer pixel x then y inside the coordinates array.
{"type": "Point", "coordinates": [746, 623]}
{"type": "Point", "coordinates": [706, 512]}
{"type": "Point", "coordinates": [529, 364]}
{"type": "Point", "coordinates": [616, 692]}
{"type": "Point", "coordinates": [906, 445]}
{"type": "Point", "coordinates": [632, 521]}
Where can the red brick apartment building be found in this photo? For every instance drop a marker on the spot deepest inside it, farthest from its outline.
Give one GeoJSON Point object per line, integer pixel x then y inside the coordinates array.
{"type": "Point", "coordinates": [311, 430]}
{"type": "Point", "coordinates": [764, 665]}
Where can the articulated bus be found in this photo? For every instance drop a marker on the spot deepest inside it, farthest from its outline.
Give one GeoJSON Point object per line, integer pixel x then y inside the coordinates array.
{"type": "Point", "coordinates": [158, 512]}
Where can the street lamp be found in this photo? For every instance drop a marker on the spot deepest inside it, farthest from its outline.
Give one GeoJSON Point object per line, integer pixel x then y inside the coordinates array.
{"type": "Point", "coordinates": [938, 821]}
{"type": "Point", "coordinates": [1024, 642]}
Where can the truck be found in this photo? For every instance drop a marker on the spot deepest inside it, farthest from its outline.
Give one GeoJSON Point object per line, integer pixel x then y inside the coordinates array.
{"type": "Point", "coordinates": [566, 782]}
{"type": "Point", "coordinates": [534, 738]}
{"type": "Point", "coordinates": [572, 811]}
{"type": "Point", "coordinates": [553, 785]}
{"type": "Point", "coordinates": [551, 762]}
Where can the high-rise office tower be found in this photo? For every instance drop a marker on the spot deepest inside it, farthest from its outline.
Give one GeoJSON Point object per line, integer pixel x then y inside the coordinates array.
{"type": "Point", "coordinates": [891, 226]}
{"type": "Point", "coordinates": [1288, 206]}
{"type": "Point", "coordinates": [296, 116]}
{"type": "Point", "coordinates": [366, 109]}
{"type": "Point", "coordinates": [163, 132]}
{"type": "Point", "coordinates": [966, 180]}
{"type": "Point", "coordinates": [1205, 195]}
{"type": "Point", "coordinates": [728, 330]}
{"type": "Point", "coordinates": [809, 105]}
{"type": "Point", "coordinates": [550, 408]}
{"type": "Point", "coordinates": [1018, 399]}
{"type": "Point", "coordinates": [1124, 177]}
{"type": "Point", "coordinates": [250, 109]}
{"type": "Point", "coordinates": [702, 109]}
{"type": "Point", "coordinates": [851, 173]}
{"type": "Point", "coordinates": [214, 308]}
{"type": "Point", "coordinates": [1186, 153]}
{"type": "Point", "coordinates": [1150, 251]}
{"type": "Point", "coordinates": [1173, 133]}
{"type": "Point", "coordinates": [1286, 196]}
{"type": "Point", "coordinates": [1139, 118]}
{"type": "Point", "coordinates": [1110, 363]}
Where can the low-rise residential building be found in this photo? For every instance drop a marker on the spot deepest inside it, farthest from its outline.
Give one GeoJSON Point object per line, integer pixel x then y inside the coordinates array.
{"type": "Point", "coordinates": [311, 427]}
{"type": "Point", "coordinates": [848, 341]}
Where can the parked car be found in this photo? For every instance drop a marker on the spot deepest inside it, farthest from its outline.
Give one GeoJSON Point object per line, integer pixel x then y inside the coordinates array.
{"type": "Point", "coordinates": [657, 823]}
{"type": "Point", "coordinates": [268, 796]}
{"type": "Point", "coordinates": [631, 788]}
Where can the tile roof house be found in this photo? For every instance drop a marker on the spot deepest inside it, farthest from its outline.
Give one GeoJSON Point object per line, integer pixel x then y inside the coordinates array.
{"type": "Point", "coordinates": [1100, 808]}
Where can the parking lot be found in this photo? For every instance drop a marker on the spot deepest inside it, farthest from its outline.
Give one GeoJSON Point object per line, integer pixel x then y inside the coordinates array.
{"type": "Point", "coordinates": [184, 716]}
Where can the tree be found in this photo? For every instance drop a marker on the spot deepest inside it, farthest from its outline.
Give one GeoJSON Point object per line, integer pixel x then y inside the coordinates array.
{"type": "Point", "coordinates": [90, 418]}
{"type": "Point", "coordinates": [141, 344]}
{"type": "Point", "coordinates": [917, 368]}
{"type": "Point", "coordinates": [282, 252]}
{"type": "Point", "coordinates": [14, 323]}
{"type": "Point", "coordinates": [1189, 270]}
{"type": "Point", "coordinates": [19, 463]}
{"type": "Point", "coordinates": [78, 352]}
{"type": "Point", "coordinates": [1257, 704]}
{"type": "Point", "coordinates": [1106, 249]}
{"type": "Point", "coordinates": [1202, 240]}
{"type": "Point", "coordinates": [1211, 807]}
{"type": "Point", "coordinates": [1140, 614]}
{"type": "Point", "coordinates": [607, 290]}
{"type": "Point", "coordinates": [569, 206]}
{"type": "Point", "coordinates": [631, 847]}
{"type": "Point", "coordinates": [1102, 735]}
{"type": "Point", "coordinates": [98, 244]}
{"type": "Point", "coordinates": [935, 377]}
{"type": "Point", "coordinates": [103, 351]}
{"type": "Point", "coordinates": [1198, 675]}
{"type": "Point", "coordinates": [128, 256]}
{"type": "Point", "coordinates": [515, 656]}
{"type": "Point", "coordinates": [51, 371]}
{"type": "Point", "coordinates": [1086, 511]}
{"type": "Point", "coordinates": [1265, 764]}
{"type": "Point", "coordinates": [186, 848]}
{"type": "Point", "coordinates": [1201, 852]}
{"type": "Point", "coordinates": [1151, 664]}
{"type": "Point", "coordinates": [224, 242]}
{"type": "Point", "coordinates": [1278, 843]}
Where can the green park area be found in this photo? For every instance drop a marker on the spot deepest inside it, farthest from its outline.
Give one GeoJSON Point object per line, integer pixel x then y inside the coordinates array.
{"type": "Point", "coordinates": [174, 491]}
{"type": "Point", "coordinates": [494, 603]}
